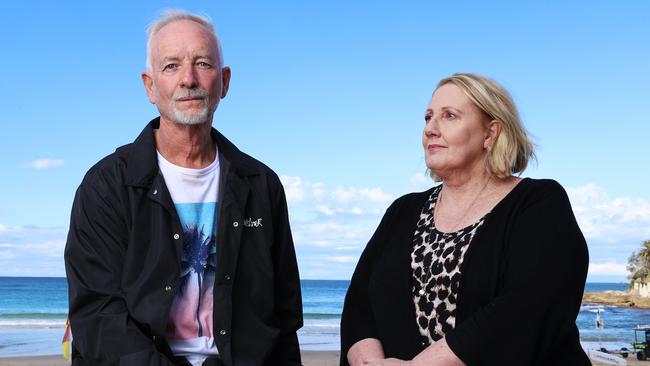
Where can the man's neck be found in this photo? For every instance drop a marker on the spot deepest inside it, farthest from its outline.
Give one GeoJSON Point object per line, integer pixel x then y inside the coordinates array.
{"type": "Point", "coordinates": [189, 146]}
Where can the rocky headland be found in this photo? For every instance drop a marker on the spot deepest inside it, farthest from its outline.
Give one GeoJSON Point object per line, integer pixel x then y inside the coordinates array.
{"type": "Point", "coordinates": [617, 298]}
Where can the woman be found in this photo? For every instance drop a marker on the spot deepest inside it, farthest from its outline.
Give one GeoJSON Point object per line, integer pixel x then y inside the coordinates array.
{"type": "Point", "coordinates": [484, 269]}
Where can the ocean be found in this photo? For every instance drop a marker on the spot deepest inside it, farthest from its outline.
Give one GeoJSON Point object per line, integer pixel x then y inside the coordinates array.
{"type": "Point", "coordinates": [33, 313]}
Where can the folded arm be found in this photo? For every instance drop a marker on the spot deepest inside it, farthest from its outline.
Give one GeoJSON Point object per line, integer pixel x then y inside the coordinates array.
{"type": "Point", "coordinates": [535, 308]}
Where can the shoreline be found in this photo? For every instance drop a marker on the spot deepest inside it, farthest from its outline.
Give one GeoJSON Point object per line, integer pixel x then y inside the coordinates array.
{"type": "Point", "coordinates": [309, 358]}
{"type": "Point", "coordinates": [616, 298]}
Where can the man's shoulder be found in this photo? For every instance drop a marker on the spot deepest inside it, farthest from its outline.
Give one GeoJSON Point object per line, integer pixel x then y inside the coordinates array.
{"type": "Point", "coordinates": [108, 170]}
{"type": "Point", "coordinates": [256, 172]}
{"type": "Point", "coordinates": [132, 164]}
{"type": "Point", "coordinates": [250, 163]}
{"type": "Point", "coordinates": [243, 163]}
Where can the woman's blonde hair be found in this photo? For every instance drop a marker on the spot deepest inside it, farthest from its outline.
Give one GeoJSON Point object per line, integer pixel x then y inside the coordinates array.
{"type": "Point", "coordinates": [512, 148]}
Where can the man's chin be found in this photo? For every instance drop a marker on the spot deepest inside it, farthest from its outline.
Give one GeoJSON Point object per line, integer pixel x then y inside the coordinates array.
{"type": "Point", "coordinates": [190, 119]}
{"type": "Point", "coordinates": [189, 122]}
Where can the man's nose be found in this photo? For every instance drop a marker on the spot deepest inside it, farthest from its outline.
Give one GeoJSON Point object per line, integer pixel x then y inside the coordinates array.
{"type": "Point", "coordinates": [189, 79]}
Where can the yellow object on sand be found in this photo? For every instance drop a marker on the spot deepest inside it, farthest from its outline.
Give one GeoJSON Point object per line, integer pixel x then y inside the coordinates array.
{"type": "Point", "coordinates": [66, 342]}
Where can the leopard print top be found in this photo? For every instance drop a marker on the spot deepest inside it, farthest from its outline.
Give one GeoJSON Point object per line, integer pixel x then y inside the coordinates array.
{"type": "Point", "coordinates": [435, 261]}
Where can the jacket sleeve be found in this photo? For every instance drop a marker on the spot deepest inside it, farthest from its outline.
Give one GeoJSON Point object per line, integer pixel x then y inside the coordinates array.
{"type": "Point", "coordinates": [288, 302]}
{"type": "Point", "coordinates": [102, 329]}
{"type": "Point", "coordinates": [535, 309]}
{"type": "Point", "coordinates": [357, 320]}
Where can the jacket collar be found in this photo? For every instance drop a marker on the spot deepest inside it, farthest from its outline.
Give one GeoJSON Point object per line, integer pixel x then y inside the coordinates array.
{"type": "Point", "coordinates": [142, 162]}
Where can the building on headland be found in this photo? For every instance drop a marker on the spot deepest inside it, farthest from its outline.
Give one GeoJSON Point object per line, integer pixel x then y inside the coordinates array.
{"type": "Point", "coordinates": [640, 288]}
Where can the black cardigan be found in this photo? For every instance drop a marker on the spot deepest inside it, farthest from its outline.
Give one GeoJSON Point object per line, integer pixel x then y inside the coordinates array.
{"type": "Point", "coordinates": [520, 292]}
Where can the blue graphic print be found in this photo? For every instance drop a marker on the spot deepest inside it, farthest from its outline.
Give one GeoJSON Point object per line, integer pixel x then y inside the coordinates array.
{"type": "Point", "coordinates": [198, 262]}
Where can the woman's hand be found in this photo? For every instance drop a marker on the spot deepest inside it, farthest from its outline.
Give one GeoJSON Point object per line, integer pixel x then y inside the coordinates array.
{"type": "Point", "coordinates": [437, 354]}
{"type": "Point", "coordinates": [365, 352]}
{"type": "Point", "coordinates": [388, 362]}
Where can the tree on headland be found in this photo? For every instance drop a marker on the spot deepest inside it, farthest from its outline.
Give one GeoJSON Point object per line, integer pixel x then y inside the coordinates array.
{"type": "Point", "coordinates": [639, 264]}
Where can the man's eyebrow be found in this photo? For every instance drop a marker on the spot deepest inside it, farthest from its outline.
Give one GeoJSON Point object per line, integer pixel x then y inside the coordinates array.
{"type": "Point", "coordinates": [204, 55]}
{"type": "Point", "coordinates": [168, 59]}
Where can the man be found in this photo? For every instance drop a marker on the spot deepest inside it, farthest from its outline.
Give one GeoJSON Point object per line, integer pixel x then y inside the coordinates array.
{"type": "Point", "coordinates": [179, 250]}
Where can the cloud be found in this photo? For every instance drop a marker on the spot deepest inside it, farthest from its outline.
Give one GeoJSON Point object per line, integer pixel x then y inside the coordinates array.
{"type": "Point", "coordinates": [420, 182]}
{"type": "Point", "coordinates": [334, 201]}
{"type": "Point", "coordinates": [351, 195]}
{"type": "Point", "coordinates": [298, 190]}
{"type": "Point", "coordinates": [607, 269]}
{"type": "Point", "coordinates": [344, 258]}
{"type": "Point", "coordinates": [331, 225]}
{"type": "Point", "coordinates": [324, 201]}
{"type": "Point", "coordinates": [44, 163]}
{"type": "Point", "coordinates": [601, 218]}
{"type": "Point", "coordinates": [346, 248]}
{"type": "Point", "coordinates": [32, 251]}
{"type": "Point", "coordinates": [614, 227]}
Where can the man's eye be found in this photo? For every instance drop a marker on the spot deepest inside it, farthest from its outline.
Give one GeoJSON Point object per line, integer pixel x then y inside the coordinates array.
{"type": "Point", "coordinates": [170, 67]}
{"type": "Point", "coordinates": [427, 117]}
{"type": "Point", "coordinates": [204, 65]}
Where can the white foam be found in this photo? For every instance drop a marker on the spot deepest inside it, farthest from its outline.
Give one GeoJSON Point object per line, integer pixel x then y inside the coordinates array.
{"type": "Point", "coordinates": [322, 325]}
{"type": "Point", "coordinates": [31, 323]}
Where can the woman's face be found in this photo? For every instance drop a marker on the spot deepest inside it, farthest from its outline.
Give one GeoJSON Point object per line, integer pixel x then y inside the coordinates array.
{"type": "Point", "coordinates": [457, 133]}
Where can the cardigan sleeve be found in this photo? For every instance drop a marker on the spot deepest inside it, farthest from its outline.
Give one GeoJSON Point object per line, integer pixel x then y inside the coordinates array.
{"type": "Point", "coordinates": [357, 320]}
{"type": "Point", "coordinates": [534, 311]}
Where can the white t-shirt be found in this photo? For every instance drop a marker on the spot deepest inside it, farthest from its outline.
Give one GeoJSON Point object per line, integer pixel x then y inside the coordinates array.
{"type": "Point", "coordinates": [194, 192]}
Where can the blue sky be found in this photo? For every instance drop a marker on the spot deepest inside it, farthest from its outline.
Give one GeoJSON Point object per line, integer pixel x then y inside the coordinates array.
{"type": "Point", "coordinates": [331, 95]}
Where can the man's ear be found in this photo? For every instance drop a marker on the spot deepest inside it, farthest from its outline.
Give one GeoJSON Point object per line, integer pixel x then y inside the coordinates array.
{"type": "Point", "coordinates": [493, 131]}
{"type": "Point", "coordinates": [147, 80]}
{"type": "Point", "coordinates": [225, 78]}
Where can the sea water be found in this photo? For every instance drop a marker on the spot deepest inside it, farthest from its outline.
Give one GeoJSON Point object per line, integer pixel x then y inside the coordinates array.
{"type": "Point", "coordinates": [33, 313]}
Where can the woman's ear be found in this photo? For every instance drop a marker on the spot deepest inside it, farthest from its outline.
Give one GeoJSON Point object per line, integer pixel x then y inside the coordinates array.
{"type": "Point", "coordinates": [492, 132]}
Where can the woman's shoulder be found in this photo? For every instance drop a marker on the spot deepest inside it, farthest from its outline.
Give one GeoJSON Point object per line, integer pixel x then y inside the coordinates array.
{"type": "Point", "coordinates": [413, 200]}
{"type": "Point", "coordinates": [541, 187]}
{"type": "Point", "coordinates": [530, 192]}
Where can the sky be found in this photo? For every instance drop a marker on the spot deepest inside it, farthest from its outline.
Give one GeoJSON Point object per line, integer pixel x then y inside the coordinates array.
{"type": "Point", "coordinates": [331, 95]}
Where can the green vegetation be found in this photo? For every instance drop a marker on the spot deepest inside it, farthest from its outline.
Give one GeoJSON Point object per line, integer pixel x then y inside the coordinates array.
{"type": "Point", "coordinates": [639, 264]}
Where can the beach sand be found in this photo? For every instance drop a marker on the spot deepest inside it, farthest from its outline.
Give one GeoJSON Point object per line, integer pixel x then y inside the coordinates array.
{"type": "Point", "coordinates": [309, 358]}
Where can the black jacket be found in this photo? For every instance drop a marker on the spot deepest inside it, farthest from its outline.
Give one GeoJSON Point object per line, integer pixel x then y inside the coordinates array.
{"type": "Point", "coordinates": [123, 259]}
{"type": "Point", "coordinates": [520, 292]}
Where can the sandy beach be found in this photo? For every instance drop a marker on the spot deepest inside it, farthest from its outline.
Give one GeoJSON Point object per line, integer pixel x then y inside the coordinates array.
{"type": "Point", "coordinates": [309, 358]}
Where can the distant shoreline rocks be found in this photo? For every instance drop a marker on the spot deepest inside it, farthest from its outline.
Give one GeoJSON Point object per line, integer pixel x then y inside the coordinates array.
{"type": "Point", "coordinates": [617, 298]}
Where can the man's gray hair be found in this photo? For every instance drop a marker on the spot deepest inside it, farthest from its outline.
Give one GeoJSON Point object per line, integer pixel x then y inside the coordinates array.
{"type": "Point", "coordinates": [172, 15]}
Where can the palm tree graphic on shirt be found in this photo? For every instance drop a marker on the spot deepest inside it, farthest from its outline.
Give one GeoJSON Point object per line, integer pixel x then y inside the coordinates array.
{"type": "Point", "coordinates": [196, 259]}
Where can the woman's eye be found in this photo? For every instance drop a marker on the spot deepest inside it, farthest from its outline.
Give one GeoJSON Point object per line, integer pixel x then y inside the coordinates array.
{"type": "Point", "coordinates": [448, 115]}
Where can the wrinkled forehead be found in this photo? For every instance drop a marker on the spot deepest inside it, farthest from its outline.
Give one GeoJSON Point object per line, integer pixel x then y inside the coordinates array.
{"type": "Point", "coordinates": [183, 35]}
{"type": "Point", "coordinates": [450, 95]}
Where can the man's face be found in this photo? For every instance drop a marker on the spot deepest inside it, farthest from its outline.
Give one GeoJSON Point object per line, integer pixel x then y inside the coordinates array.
{"type": "Point", "coordinates": [186, 80]}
